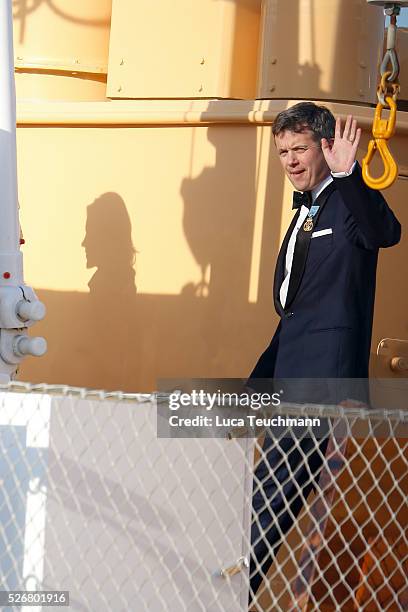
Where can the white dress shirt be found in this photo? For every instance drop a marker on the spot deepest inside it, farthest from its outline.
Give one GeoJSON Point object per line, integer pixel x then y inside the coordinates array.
{"type": "Point", "coordinates": [283, 293]}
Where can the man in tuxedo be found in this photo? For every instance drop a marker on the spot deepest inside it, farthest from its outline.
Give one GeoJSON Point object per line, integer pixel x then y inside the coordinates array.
{"type": "Point", "coordinates": [324, 291]}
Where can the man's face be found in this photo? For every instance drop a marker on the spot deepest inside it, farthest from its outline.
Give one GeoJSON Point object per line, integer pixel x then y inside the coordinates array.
{"type": "Point", "coordinates": [302, 159]}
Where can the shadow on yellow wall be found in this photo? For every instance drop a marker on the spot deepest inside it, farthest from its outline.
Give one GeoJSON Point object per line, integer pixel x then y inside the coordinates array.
{"type": "Point", "coordinates": [116, 338]}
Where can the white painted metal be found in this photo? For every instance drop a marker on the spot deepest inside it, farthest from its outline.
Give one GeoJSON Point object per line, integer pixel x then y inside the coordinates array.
{"type": "Point", "coordinates": [23, 345]}
{"type": "Point", "coordinates": [19, 306]}
{"type": "Point", "coordinates": [31, 412]}
{"type": "Point", "coordinates": [121, 519]}
{"type": "Point", "coordinates": [170, 513]}
{"type": "Point", "coordinates": [30, 310]}
{"type": "Point", "coordinates": [10, 256]}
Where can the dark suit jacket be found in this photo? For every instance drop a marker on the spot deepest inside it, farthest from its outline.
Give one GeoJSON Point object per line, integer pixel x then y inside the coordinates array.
{"type": "Point", "coordinates": [326, 329]}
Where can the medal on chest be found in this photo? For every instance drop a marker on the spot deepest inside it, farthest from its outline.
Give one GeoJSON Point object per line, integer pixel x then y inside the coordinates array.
{"type": "Point", "coordinates": [308, 224]}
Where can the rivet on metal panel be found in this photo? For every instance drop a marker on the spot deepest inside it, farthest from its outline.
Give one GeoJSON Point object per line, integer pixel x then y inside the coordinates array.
{"type": "Point", "coordinates": [399, 364]}
{"type": "Point", "coordinates": [202, 61]}
{"type": "Point", "coordinates": [363, 64]}
{"type": "Point", "coordinates": [272, 88]}
{"type": "Point", "coordinates": [122, 61]}
{"type": "Point", "coordinates": [274, 60]}
{"type": "Point", "coordinates": [120, 88]}
{"type": "Point", "coordinates": [200, 88]}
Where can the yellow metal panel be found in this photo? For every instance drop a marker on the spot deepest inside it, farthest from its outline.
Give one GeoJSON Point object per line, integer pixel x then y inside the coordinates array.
{"type": "Point", "coordinates": [67, 38]}
{"type": "Point", "coordinates": [183, 49]}
{"type": "Point", "coordinates": [320, 50]}
{"type": "Point", "coordinates": [179, 112]}
{"type": "Point", "coordinates": [34, 87]}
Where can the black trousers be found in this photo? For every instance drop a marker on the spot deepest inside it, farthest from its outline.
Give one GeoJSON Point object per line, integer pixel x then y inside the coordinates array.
{"type": "Point", "coordinates": [284, 477]}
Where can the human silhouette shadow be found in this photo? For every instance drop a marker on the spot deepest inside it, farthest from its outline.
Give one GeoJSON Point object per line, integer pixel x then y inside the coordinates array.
{"type": "Point", "coordinates": [108, 247]}
{"type": "Point", "coordinates": [110, 322]}
{"type": "Point", "coordinates": [218, 221]}
{"type": "Point", "coordinates": [217, 227]}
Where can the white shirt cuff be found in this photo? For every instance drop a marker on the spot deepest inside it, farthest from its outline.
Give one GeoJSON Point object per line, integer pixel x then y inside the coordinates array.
{"type": "Point", "coordinates": [341, 174]}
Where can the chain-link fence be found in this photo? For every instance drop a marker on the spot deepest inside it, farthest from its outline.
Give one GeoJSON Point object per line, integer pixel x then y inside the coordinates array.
{"type": "Point", "coordinates": [94, 503]}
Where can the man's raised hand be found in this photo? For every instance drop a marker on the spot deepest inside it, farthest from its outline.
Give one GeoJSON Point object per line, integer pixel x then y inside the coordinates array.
{"type": "Point", "coordinates": [340, 153]}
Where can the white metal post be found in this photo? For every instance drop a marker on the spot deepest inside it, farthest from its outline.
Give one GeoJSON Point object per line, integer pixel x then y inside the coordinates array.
{"type": "Point", "coordinates": [10, 255]}
{"type": "Point", "coordinates": [19, 306]}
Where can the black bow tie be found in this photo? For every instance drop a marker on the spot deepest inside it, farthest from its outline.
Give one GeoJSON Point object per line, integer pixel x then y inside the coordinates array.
{"type": "Point", "coordinates": [300, 199]}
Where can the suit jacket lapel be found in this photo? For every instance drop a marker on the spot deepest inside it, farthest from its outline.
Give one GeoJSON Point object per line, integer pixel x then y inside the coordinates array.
{"type": "Point", "coordinates": [302, 248]}
{"type": "Point", "coordinates": [280, 265]}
